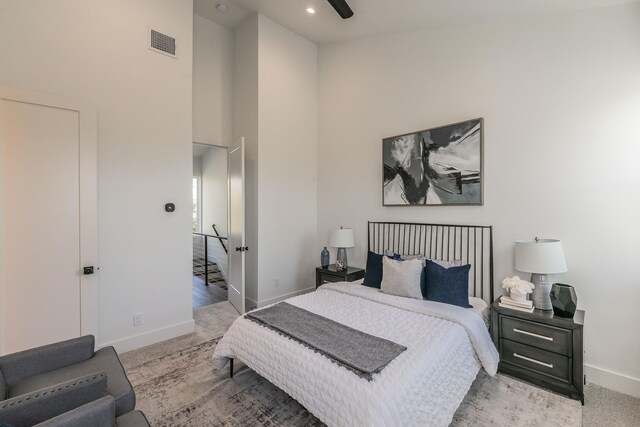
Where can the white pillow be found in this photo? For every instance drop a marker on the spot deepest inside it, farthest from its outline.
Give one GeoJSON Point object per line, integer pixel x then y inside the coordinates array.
{"type": "Point", "coordinates": [401, 278]}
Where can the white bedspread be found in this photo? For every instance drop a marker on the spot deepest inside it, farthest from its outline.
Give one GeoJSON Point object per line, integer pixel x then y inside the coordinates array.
{"type": "Point", "coordinates": [424, 386]}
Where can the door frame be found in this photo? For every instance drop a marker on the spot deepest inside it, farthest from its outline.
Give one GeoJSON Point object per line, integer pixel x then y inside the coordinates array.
{"type": "Point", "coordinates": [88, 203]}
{"type": "Point", "coordinates": [200, 198]}
{"type": "Point", "coordinates": [200, 189]}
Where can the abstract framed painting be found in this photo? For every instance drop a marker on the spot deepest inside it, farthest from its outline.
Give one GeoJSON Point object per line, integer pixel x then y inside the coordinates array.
{"type": "Point", "coordinates": [441, 166]}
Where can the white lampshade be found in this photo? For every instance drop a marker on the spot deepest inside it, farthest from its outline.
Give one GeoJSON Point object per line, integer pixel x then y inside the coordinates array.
{"type": "Point", "coordinates": [341, 238]}
{"type": "Point", "coordinates": [541, 256]}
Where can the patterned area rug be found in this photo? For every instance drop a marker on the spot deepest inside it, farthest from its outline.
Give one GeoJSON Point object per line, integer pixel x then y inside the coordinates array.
{"type": "Point", "coordinates": [177, 385]}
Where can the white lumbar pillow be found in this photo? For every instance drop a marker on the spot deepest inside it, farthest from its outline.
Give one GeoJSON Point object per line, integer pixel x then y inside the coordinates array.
{"type": "Point", "coordinates": [401, 278]}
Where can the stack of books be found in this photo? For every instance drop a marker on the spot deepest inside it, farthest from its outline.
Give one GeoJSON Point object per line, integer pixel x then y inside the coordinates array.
{"type": "Point", "coordinates": [507, 302]}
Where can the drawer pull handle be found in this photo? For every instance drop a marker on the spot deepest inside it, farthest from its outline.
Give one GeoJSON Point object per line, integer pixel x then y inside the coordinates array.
{"type": "Point", "coordinates": [531, 334]}
{"type": "Point", "coordinates": [519, 356]}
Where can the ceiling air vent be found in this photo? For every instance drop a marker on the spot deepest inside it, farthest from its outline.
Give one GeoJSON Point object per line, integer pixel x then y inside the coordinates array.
{"type": "Point", "coordinates": [162, 43]}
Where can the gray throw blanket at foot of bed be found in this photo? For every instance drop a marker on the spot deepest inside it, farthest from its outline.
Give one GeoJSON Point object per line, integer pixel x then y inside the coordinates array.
{"type": "Point", "coordinates": [357, 351]}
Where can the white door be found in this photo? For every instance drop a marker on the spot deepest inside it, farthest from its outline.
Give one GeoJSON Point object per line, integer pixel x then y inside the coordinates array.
{"type": "Point", "coordinates": [47, 219]}
{"type": "Point", "coordinates": [237, 247]}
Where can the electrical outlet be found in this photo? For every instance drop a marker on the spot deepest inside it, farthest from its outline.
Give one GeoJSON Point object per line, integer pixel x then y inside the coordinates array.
{"type": "Point", "coordinates": [137, 319]}
{"type": "Point", "coordinates": [276, 282]}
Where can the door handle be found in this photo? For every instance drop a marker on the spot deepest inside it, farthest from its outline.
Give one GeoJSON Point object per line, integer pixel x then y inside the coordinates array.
{"type": "Point", "coordinates": [238, 249]}
{"type": "Point", "coordinates": [242, 249]}
{"type": "Point", "coordinates": [531, 334]}
{"type": "Point", "coordinates": [87, 270]}
{"type": "Point", "coordinates": [529, 359]}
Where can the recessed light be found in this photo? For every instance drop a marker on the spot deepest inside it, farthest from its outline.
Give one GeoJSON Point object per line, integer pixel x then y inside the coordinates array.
{"type": "Point", "coordinates": [311, 11]}
{"type": "Point", "coordinates": [222, 8]}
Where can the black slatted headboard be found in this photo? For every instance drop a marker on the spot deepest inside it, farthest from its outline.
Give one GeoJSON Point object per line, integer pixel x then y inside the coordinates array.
{"type": "Point", "coordinates": [472, 244]}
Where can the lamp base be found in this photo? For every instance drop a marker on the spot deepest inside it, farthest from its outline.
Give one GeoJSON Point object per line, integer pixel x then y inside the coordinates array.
{"type": "Point", "coordinates": [540, 294]}
{"type": "Point", "coordinates": [341, 259]}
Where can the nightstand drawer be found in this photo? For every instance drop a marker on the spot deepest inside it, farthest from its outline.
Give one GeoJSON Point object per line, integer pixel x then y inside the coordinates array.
{"type": "Point", "coordinates": [537, 335]}
{"type": "Point", "coordinates": [331, 274]}
{"type": "Point", "coordinates": [539, 360]}
{"type": "Point", "coordinates": [331, 279]}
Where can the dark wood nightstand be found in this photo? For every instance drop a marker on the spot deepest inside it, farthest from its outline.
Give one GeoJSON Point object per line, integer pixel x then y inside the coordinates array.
{"type": "Point", "coordinates": [541, 348]}
{"type": "Point", "coordinates": [330, 274]}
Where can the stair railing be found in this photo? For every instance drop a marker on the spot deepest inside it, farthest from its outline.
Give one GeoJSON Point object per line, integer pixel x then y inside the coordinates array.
{"type": "Point", "coordinates": [215, 230]}
{"type": "Point", "coordinates": [206, 251]}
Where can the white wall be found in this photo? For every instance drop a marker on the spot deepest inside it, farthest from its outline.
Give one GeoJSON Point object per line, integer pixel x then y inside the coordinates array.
{"type": "Point", "coordinates": [561, 101]}
{"type": "Point", "coordinates": [275, 109]}
{"type": "Point", "coordinates": [214, 190]}
{"type": "Point", "coordinates": [97, 50]}
{"type": "Point", "coordinates": [214, 201]}
{"type": "Point", "coordinates": [213, 64]}
{"type": "Point", "coordinates": [245, 124]}
{"type": "Point", "coordinates": [287, 94]}
{"type": "Point", "coordinates": [213, 51]}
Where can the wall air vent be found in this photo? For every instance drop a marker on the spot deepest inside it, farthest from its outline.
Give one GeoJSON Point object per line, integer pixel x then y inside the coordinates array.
{"type": "Point", "coordinates": [162, 43]}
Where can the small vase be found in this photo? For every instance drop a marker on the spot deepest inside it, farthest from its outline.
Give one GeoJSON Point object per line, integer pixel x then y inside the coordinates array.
{"type": "Point", "coordinates": [324, 258]}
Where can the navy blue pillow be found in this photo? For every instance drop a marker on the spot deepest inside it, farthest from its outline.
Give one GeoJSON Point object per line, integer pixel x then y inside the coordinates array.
{"type": "Point", "coordinates": [423, 282]}
{"type": "Point", "coordinates": [373, 272]}
{"type": "Point", "coordinates": [447, 285]}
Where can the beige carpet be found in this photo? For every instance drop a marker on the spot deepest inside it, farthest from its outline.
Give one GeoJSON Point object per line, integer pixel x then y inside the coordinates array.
{"type": "Point", "coordinates": [604, 407]}
{"type": "Point", "coordinates": [176, 385]}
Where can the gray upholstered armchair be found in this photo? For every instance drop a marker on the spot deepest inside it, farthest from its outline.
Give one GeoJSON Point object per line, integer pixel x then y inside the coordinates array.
{"type": "Point", "coordinates": [79, 402]}
{"type": "Point", "coordinates": [43, 367]}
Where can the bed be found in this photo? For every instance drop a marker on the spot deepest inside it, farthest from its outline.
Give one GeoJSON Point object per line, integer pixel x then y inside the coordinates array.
{"type": "Point", "coordinates": [446, 345]}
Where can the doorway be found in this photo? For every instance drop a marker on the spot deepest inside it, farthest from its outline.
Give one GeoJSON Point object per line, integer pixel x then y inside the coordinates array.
{"type": "Point", "coordinates": [209, 225]}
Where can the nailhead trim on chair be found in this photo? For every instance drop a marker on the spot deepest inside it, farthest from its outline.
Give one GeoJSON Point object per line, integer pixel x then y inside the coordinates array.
{"type": "Point", "coordinates": [55, 390]}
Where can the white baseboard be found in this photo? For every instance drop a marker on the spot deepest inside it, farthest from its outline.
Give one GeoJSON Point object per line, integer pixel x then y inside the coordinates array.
{"type": "Point", "coordinates": [612, 380]}
{"type": "Point", "coordinates": [274, 300]}
{"type": "Point", "coordinates": [151, 337]}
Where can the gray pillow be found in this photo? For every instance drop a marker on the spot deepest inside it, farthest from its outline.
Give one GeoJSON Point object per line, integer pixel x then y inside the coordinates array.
{"type": "Point", "coordinates": [401, 278]}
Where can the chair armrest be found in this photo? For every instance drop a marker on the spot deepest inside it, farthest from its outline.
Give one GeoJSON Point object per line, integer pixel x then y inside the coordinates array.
{"type": "Point", "coordinates": [3, 387]}
{"type": "Point", "coordinates": [38, 406]}
{"type": "Point", "coordinates": [24, 364]}
{"type": "Point", "coordinates": [99, 413]}
{"type": "Point", "coordinates": [134, 418]}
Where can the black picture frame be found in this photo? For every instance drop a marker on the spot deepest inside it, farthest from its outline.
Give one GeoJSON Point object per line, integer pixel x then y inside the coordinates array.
{"type": "Point", "coordinates": [439, 166]}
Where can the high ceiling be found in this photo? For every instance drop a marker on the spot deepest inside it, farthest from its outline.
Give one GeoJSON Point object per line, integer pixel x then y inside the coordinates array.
{"type": "Point", "coordinates": [375, 17]}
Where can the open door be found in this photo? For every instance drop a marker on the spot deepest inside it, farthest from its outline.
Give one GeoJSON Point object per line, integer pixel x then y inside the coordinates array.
{"type": "Point", "coordinates": [237, 247]}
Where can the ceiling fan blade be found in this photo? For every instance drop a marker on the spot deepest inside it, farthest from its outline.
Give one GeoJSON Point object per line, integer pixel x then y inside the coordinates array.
{"type": "Point", "coordinates": [342, 8]}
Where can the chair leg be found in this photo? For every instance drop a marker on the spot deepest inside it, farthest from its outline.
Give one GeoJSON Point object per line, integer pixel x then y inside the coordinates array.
{"type": "Point", "coordinates": [230, 368]}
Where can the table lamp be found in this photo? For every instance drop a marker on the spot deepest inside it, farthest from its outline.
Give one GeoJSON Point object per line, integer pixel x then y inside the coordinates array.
{"type": "Point", "coordinates": [341, 238]}
{"type": "Point", "coordinates": [540, 257]}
